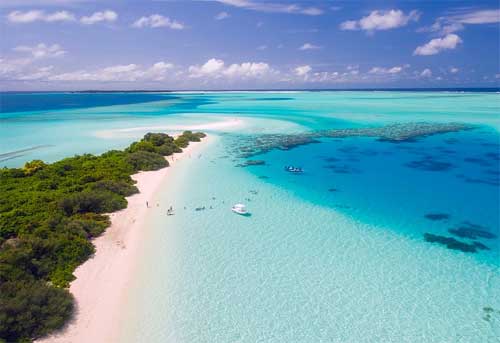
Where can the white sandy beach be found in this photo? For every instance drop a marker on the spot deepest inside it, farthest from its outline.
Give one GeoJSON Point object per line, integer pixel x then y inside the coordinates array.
{"type": "Point", "coordinates": [226, 124]}
{"type": "Point", "coordinates": [101, 282]}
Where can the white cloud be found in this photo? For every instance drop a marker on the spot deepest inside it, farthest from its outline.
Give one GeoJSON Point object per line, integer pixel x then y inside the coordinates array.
{"type": "Point", "coordinates": [262, 47]}
{"type": "Point", "coordinates": [437, 45]}
{"type": "Point", "coordinates": [10, 67]}
{"type": "Point", "coordinates": [312, 11]}
{"type": "Point", "coordinates": [60, 16]}
{"type": "Point", "coordinates": [426, 73]}
{"type": "Point", "coordinates": [454, 70]}
{"type": "Point", "coordinates": [247, 70]}
{"type": "Point", "coordinates": [96, 17]}
{"type": "Point", "coordinates": [215, 68]}
{"type": "Point", "coordinates": [325, 76]}
{"type": "Point", "coordinates": [457, 22]}
{"type": "Point", "coordinates": [381, 20]}
{"type": "Point", "coordinates": [39, 74]}
{"type": "Point", "coordinates": [42, 50]}
{"type": "Point", "coordinates": [443, 26]}
{"type": "Point", "coordinates": [302, 70]}
{"type": "Point", "coordinates": [24, 17]}
{"type": "Point", "coordinates": [221, 16]}
{"type": "Point", "coordinates": [385, 71]}
{"type": "Point", "coordinates": [309, 46]}
{"type": "Point", "coordinates": [120, 68]}
{"type": "Point", "coordinates": [478, 17]}
{"type": "Point", "coordinates": [211, 68]}
{"type": "Point", "coordinates": [273, 7]}
{"type": "Point", "coordinates": [118, 73]}
{"type": "Point", "coordinates": [157, 20]}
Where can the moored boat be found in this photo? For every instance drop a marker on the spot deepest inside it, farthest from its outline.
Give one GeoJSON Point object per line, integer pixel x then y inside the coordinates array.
{"type": "Point", "coordinates": [239, 209]}
{"type": "Point", "coordinates": [292, 169]}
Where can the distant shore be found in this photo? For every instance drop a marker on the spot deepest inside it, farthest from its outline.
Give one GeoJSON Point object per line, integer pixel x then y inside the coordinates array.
{"type": "Point", "coordinates": [275, 90]}
{"type": "Point", "coordinates": [101, 282]}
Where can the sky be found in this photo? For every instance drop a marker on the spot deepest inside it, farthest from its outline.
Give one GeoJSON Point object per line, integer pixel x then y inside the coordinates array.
{"type": "Point", "coordinates": [247, 44]}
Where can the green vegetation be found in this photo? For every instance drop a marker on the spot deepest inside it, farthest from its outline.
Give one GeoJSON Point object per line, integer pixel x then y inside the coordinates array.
{"type": "Point", "coordinates": [48, 215]}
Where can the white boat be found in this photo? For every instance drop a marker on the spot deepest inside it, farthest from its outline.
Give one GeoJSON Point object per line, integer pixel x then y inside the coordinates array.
{"type": "Point", "coordinates": [292, 169]}
{"type": "Point", "coordinates": [240, 209]}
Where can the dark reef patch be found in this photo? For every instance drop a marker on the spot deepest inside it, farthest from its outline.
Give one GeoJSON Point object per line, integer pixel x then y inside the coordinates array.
{"type": "Point", "coordinates": [471, 231]}
{"type": "Point", "coordinates": [428, 164]}
{"type": "Point", "coordinates": [494, 145]}
{"type": "Point", "coordinates": [397, 133]}
{"type": "Point", "coordinates": [331, 159]}
{"type": "Point", "coordinates": [492, 182]}
{"type": "Point", "coordinates": [437, 216]}
{"type": "Point", "coordinates": [342, 169]}
{"type": "Point", "coordinates": [493, 155]}
{"type": "Point", "coordinates": [446, 151]}
{"type": "Point", "coordinates": [478, 161]}
{"type": "Point", "coordinates": [450, 242]}
{"type": "Point", "coordinates": [348, 149]}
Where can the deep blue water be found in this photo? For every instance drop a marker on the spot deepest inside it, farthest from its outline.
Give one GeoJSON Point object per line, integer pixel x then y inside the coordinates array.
{"type": "Point", "coordinates": [396, 185]}
{"type": "Point", "coordinates": [22, 102]}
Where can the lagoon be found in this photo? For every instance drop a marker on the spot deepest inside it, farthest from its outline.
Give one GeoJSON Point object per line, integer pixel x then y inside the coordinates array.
{"type": "Point", "coordinates": [335, 254]}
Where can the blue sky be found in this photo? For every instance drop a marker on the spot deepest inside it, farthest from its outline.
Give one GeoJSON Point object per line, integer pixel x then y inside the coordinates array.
{"type": "Point", "coordinates": [247, 44]}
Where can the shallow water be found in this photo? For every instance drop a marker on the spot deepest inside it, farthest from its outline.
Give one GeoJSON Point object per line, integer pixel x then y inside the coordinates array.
{"type": "Point", "coordinates": [336, 254]}
{"type": "Point", "coordinates": [294, 271]}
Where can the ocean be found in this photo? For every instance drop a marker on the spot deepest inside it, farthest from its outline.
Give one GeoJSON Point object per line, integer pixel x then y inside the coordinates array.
{"type": "Point", "coordinates": [377, 240]}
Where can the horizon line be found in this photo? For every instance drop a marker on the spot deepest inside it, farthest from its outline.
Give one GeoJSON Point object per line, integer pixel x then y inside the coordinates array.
{"type": "Point", "coordinates": [486, 89]}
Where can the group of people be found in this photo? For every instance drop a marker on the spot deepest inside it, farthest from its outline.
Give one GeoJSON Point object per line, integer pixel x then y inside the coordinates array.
{"type": "Point", "coordinates": [170, 210]}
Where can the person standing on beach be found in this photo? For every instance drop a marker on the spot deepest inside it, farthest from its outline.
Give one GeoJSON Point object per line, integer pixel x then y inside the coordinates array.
{"type": "Point", "coordinates": [147, 205]}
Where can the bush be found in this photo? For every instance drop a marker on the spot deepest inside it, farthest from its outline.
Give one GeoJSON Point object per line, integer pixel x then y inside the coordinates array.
{"type": "Point", "coordinates": [168, 149]}
{"type": "Point", "coordinates": [29, 310]}
{"type": "Point", "coordinates": [92, 201]}
{"type": "Point", "coordinates": [91, 224]}
{"type": "Point", "coordinates": [158, 139]}
{"type": "Point", "coordinates": [118, 187]}
{"type": "Point", "coordinates": [141, 146]}
{"type": "Point", "coordinates": [193, 137]}
{"type": "Point", "coordinates": [32, 167]}
{"type": "Point", "coordinates": [144, 160]}
{"type": "Point", "coordinates": [181, 142]}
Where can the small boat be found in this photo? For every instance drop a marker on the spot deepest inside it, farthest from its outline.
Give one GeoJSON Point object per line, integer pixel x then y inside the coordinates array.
{"type": "Point", "coordinates": [292, 169]}
{"type": "Point", "coordinates": [239, 209]}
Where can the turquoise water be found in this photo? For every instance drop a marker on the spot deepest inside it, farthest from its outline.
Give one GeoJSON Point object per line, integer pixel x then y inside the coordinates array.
{"type": "Point", "coordinates": [335, 254]}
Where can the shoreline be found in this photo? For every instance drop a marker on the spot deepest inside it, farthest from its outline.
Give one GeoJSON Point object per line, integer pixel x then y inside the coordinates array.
{"type": "Point", "coordinates": [102, 281]}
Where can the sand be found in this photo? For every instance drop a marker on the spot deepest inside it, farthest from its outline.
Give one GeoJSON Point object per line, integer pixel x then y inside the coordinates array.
{"type": "Point", "coordinates": [100, 288]}
{"type": "Point", "coordinates": [226, 124]}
